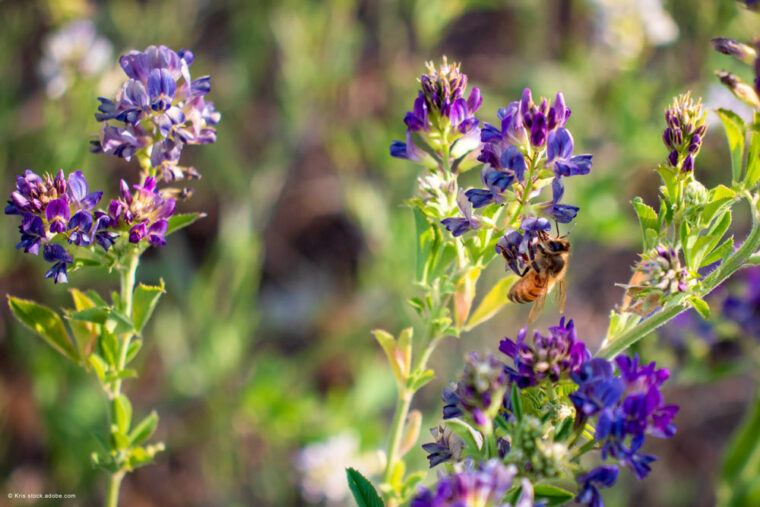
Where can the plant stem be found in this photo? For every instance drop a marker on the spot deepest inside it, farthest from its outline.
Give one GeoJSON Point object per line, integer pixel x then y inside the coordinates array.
{"type": "Point", "coordinates": [399, 418]}
{"type": "Point", "coordinates": [114, 483]}
{"type": "Point", "coordinates": [127, 286]}
{"type": "Point", "coordinates": [728, 267]}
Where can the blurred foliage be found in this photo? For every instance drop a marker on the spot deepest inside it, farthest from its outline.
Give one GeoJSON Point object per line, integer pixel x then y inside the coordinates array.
{"type": "Point", "coordinates": [306, 246]}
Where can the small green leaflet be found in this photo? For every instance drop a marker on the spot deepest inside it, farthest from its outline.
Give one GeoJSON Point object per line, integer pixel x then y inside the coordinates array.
{"type": "Point", "coordinates": [363, 491]}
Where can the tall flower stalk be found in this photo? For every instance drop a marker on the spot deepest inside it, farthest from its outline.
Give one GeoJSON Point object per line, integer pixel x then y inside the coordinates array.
{"type": "Point", "coordinates": [157, 111]}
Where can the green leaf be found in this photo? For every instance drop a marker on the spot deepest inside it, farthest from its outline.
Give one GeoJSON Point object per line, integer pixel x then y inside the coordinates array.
{"type": "Point", "coordinates": [95, 315]}
{"type": "Point", "coordinates": [743, 454]}
{"type": "Point", "coordinates": [426, 235]}
{"type": "Point", "coordinates": [99, 365]}
{"type": "Point", "coordinates": [182, 220]}
{"type": "Point", "coordinates": [687, 242]}
{"type": "Point", "coordinates": [753, 161]}
{"type": "Point", "coordinates": [84, 333]}
{"type": "Point", "coordinates": [735, 131]}
{"type": "Point", "coordinates": [647, 219]}
{"type": "Point", "coordinates": [416, 382]}
{"type": "Point", "coordinates": [719, 197]}
{"type": "Point", "coordinates": [707, 242]}
{"type": "Point", "coordinates": [134, 348]}
{"type": "Point", "coordinates": [392, 352]}
{"type": "Point", "coordinates": [563, 429]}
{"type": "Point", "coordinates": [492, 302]}
{"type": "Point", "coordinates": [700, 306]}
{"type": "Point", "coordinates": [144, 429]}
{"type": "Point", "coordinates": [144, 302]}
{"type": "Point", "coordinates": [363, 491]}
{"type": "Point", "coordinates": [551, 494]}
{"type": "Point", "coordinates": [109, 345]}
{"type": "Point", "coordinates": [721, 252]}
{"type": "Point", "coordinates": [46, 323]}
{"type": "Point", "coordinates": [517, 407]}
{"type": "Point", "coordinates": [121, 413]}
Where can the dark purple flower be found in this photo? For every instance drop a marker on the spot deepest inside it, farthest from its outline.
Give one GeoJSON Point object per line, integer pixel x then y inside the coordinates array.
{"type": "Point", "coordinates": [61, 259]}
{"type": "Point", "coordinates": [598, 388]}
{"type": "Point", "coordinates": [32, 233]}
{"type": "Point", "coordinates": [629, 455]}
{"type": "Point", "coordinates": [79, 228]}
{"type": "Point", "coordinates": [447, 446]}
{"type": "Point", "coordinates": [459, 225]}
{"type": "Point", "coordinates": [57, 215]}
{"type": "Point", "coordinates": [603, 476]}
{"type": "Point", "coordinates": [559, 153]}
{"type": "Point", "coordinates": [497, 175]}
{"type": "Point", "coordinates": [549, 357]}
{"type": "Point", "coordinates": [79, 192]}
{"type": "Point", "coordinates": [685, 130]}
{"type": "Point", "coordinates": [562, 213]}
{"type": "Point", "coordinates": [103, 236]}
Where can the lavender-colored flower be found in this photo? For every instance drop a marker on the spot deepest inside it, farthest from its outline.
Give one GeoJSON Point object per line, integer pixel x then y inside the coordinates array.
{"type": "Point", "coordinates": [562, 213]}
{"type": "Point", "coordinates": [479, 392]}
{"type": "Point", "coordinates": [559, 153]}
{"type": "Point", "coordinates": [73, 50]}
{"type": "Point", "coordinates": [60, 259]}
{"type": "Point", "coordinates": [409, 151]}
{"type": "Point", "coordinates": [79, 228]}
{"type": "Point", "coordinates": [459, 225]}
{"type": "Point", "coordinates": [598, 387]}
{"type": "Point", "coordinates": [603, 476]}
{"type": "Point", "coordinates": [447, 446]}
{"type": "Point", "coordinates": [549, 357]}
{"type": "Point", "coordinates": [157, 111]}
{"type": "Point", "coordinates": [484, 485]}
{"type": "Point", "coordinates": [441, 98]}
{"type": "Point", "coordinates": [511, 131]}
{"type": "Point", "coordinates": [685, 131]}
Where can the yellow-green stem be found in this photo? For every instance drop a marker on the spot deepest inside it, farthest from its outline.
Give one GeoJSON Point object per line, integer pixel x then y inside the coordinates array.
{"type": "Point", "coordinates": [114, 483]}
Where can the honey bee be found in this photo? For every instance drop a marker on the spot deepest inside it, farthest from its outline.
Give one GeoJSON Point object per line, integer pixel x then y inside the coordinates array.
{"type": "Point", "coordinates": [546, 268]}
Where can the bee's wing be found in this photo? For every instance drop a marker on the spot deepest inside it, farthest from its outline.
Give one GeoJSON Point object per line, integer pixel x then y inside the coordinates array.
{"type": "Point", "coordinates": [538, 305]}
{"type": "Point", "coordinates": [561, 295]}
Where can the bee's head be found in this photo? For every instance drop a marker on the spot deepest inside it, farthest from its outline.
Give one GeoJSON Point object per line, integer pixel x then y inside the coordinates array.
{"type": "Point", "coordinates": [557, 245]}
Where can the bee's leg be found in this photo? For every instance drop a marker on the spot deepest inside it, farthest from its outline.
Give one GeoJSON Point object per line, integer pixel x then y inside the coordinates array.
{"type": "Point", "coordinates": [556, 224]}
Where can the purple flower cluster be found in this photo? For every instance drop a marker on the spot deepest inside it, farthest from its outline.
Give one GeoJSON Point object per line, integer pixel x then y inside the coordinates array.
{"type": "Point", "coordinates": [480, 391]}
{"type": "Point", "coordinates": [55, 208]}
{"type": "Point", "coordinates": [157, 111]}
{"type": "Point", "coordinates": [484, 485]}
{"type": "Point", "coordinates": [627, 407]}
{"type": "Point", "coordinates": [530, 138]}
{"type": "Point", "coordinates": [144, 215]}
{"type": "Point", "coordinates": [549, 357]}
{"type": "Point", "coordinates": [684, 133]}
{"type": "Point", "coordinates": [603, 476]}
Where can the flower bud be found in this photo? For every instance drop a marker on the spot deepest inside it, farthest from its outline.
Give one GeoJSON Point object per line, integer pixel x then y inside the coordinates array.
{"type": "Point", "coordinates": [738, 50]}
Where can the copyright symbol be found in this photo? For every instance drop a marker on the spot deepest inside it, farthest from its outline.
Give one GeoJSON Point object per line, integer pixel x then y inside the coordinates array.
{"type": "Point", "coordinates": [10, 495]}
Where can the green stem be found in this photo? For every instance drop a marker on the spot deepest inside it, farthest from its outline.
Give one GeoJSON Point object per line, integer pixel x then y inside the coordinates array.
{"type": "Point", "coordinates": [114, 483]}
{"type": "Point", "coordinates": [728, 267]}
{"type": "Point", "coordinates": [127, 284]}
{"type": "Point", "coordinates": [397, 428]}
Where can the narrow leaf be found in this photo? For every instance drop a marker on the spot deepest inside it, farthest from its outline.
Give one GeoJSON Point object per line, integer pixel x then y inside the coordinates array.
{"type": "Point", "coordinates": [144, 302]}
{"type": "Point", "coordinates": [463, 296]}
{"type": "Point", "coordinates": [144, 429]}
{"type": "Point", "coordinates": [121, 413]}
{"type": "Point", "coordinates": [735, 131]}
{"type": "Point", "coordinates": [700, 306]}
{"type": "Point", "coordinates": [182, 220]}
{"type": "Point", "coordinates": [492, 302]}
{"type": "Point", "coordinates": [552, 495]}
{"type": "Point", "coordinates": [47, 324]}
{"type": "Point", "coordinates": [363, 491]}
{"type": "Point", "coordinates": [753, 161]}
{"type": "Point", "coordinates": [647, 219]}
{"type": "Point", "coordinates": [517, 407]}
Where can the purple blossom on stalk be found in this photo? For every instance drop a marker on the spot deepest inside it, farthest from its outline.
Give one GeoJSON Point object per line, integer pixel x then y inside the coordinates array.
{"type": "Point", "coordinates": [549, 357]}
{"type": "Point", "coordinates": [562, 213]}
{"type": "Point", "coordinates": [459, 225]}
{"type": "Point", "coordinates": [484, 485]}
{"type": "Point", "coordinates": [497, 175]}
{"type": "Point", "coordinates": [60, 259]}
{"type": "Point", "coordinates": [542, 119]}
{"type": "Point", "coordinates": [479, 392]}
{"type": "Point", "coordinates": [157, 111]}
{"type": "Point", "coordinates": [603, 476]}
{"type": "Point", "coordinates": [447, 446]}
{"type": "Point", "coordinates": [559, 153]}
{"type": "Point", "coordinates": [685, 131]}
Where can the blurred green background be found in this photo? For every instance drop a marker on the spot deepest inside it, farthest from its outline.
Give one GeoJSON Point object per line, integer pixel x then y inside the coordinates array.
{"type": "Point", "coordinates": [259, 359]}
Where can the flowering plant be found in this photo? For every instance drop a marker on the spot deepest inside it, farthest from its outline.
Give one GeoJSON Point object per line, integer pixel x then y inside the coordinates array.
{"type": "Point", "coordinates": [156, 112]}
{"type": "Point", "coordinates": [541, 410]}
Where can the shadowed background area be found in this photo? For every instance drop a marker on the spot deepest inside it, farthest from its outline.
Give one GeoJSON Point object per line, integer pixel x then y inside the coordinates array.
{"type": "Point", "coordinates": [259, 359]}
